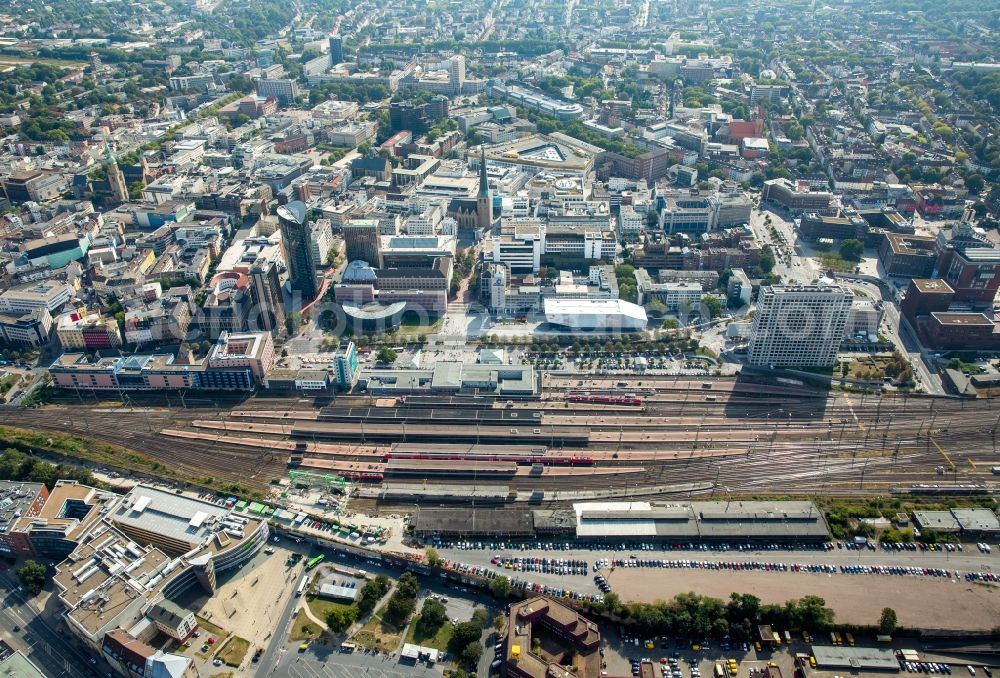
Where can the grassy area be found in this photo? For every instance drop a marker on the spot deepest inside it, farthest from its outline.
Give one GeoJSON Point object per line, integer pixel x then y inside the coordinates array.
{"type": "Point", "coordinates": [20, 61]}
{"type": "Point", "coordinates": [837, 263]}
{"type": "Point", "coordinates": [304, 628]}
{"type": "Point", "coordinates": [411, 325]}
{"type": "Point", "coordinates": [439, 640]}
{"type": "Point", "coordinates": [235, 651]}
{"type": "Point", "coordinates": [80, 448]}
{"type": "Point", "coordinates": [6, 384]}
{"type": "Point", "coordinates": [321, 608]}
{"type": "Point", "coordinates": [377, 634]}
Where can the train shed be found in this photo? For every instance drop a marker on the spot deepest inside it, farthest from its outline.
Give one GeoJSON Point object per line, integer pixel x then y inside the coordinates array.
{"type": "Point", "coordinates": [478, 522]}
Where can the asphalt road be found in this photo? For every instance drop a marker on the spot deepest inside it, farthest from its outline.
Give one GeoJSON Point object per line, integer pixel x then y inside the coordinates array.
{"type": "Point", "coordinates": [49, 650]}
{"type": "Point", "coordinates": [269, 660]}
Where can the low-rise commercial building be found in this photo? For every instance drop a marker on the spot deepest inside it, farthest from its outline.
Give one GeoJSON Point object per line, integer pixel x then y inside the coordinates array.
{"type": "Point", "coordinates": [47, 294]}
{"type": "Point", "coordinates": [595, 314]}
{"type": "Point", "coordinates": [535, 617]}
{"type": "Point", "coordinates": [796, 196]}
{"type": "Point", "coordinates": [448, 377]}
{"type": "Point", "coordinates": [909, 256]}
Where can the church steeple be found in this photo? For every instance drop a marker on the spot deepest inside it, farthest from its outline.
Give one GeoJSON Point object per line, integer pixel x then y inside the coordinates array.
{"type": "Point", "coordinates": [484, 201]}
{"type": "Point", "coordinates": [484, 184]}
{"type": "Point", "coordinates": [116, 180]}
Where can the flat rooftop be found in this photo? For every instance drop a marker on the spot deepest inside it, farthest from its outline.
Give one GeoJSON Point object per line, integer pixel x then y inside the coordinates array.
{"type": "Point", "coordinates": [928, 286]}
{"type": "Point", "coordinates": [474, 521]}
{"type": "Point", "coordinates": [167, 517]}
{"type": "Point", "coordinates": [106, 574]}
{"type": "Point", "coordinates": [872, 658]}
{"type": "Point", "coordinates": [64, 506]}
{"type": "Point", "coordinates": [15, 503]}
{"type": "Point", "coordinates": [977, 520]}
{"type": "Point", "coordinates": [963, 319]}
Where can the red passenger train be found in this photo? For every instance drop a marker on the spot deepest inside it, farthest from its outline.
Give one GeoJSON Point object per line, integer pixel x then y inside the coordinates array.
{"type": "Point", "coordinates": [631, 401]}
{"type": "Point", "coordinates": [517, 459]}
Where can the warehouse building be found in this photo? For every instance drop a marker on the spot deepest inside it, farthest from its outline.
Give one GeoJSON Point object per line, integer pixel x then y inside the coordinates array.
{"type": "Point", "coordinates": [719, 521]}
{"type": "Point", "coordinates": [789, 521]}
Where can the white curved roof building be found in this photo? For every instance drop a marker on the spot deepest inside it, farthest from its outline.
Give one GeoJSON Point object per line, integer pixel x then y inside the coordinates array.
{"type": "Point", "coordinates": [595, 314]}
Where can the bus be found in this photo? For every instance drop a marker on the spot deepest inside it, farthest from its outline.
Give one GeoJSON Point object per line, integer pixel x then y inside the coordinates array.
{"type": "Point", "coordinates": [348, 647]}
{"type": "Point", "coordinates": [302, 586]}
{"type": "Point", "coordinates": [313, 562]}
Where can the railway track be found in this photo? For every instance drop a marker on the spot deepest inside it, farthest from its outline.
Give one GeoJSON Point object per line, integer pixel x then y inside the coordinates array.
{"type": "Point", "coordinates": [840, 444]}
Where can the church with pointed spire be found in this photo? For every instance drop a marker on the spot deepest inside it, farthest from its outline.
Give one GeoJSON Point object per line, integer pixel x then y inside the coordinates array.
{"type": "Point", "coordinates": [115, 177]}
{"type": "Point", "coordinates": [475, 213]}
{"type": "Point", "coordinates": [484, 199]}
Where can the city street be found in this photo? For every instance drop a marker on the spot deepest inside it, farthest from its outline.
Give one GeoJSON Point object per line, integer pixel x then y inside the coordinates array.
{"type": "Point", "coordinates": [37, 639]}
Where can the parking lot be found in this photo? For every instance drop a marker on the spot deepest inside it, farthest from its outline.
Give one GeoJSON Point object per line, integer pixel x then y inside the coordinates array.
{"type": "Point", "coordinates": [348, 665]}
{"type": "Point", "coordinates": [854, 582]}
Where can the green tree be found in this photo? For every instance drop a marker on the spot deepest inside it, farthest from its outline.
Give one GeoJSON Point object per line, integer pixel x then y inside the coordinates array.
{"type": "Point", "coordinates": [398, 609]}
{"type": "Point", "coordinates": [386, 355]}
{"type": "Point", "coordinates": [471, 654]}
{"type": "Point", "coordinates": [340, 618]}
{"type": "Point", "coordinates": [434, 558]}
{"type": "Point", "coordinates": [293, 321]}
{"type": "Point", "coordinates": [975, 183]}
{"type": "Point", "coordinates": [432, 615]}
{"type": "Point", "coordinates": [32, 575]}
{"type": "Point", "coordinates": [887, 621]}
{"type": "Point", "coordinates": [767, 260]}
{"type": "Point", "coordinates": [712, 304]}
{"type": "Point", "coordinates": [371, 593]}
{"type": "Point", "coordinates": [657, 308]}
{"type": "Point", "coordinates": [500, 587]}
{"type": "Point", "coordinates": [852, 249]}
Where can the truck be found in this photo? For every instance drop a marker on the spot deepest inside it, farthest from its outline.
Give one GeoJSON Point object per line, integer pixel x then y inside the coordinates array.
{"type": "Point", "coordinates": [777, 638]}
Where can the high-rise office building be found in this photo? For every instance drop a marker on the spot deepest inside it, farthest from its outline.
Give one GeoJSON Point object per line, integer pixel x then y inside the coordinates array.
{"type": "Point", "coordinates": [362, 242]}
{"type": "Point", "coordinates": [456, 71]}
{"type": "Point", "coordinates": [297, 239]}
{"type": "Point", "coordinates": [269, 306]}
{"type": "Point", "coordinates": [336, 49]}
{"type": "Point", "coordinates": [800, 326]}
{"type": "Point", "coordinates": [285, 90]}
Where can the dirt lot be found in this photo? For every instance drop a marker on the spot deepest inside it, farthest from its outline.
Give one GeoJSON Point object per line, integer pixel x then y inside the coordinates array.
{"type": "Point", "coordinates": [919, 602]}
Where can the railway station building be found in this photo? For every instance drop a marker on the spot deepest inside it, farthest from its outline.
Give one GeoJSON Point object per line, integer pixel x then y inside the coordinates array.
{"type": "Point", "coordinates": [719, 521]}
{"type": "Point", "coordinates": [449, 377]}
{"type": "Point", "coordinates": [714, 521]}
